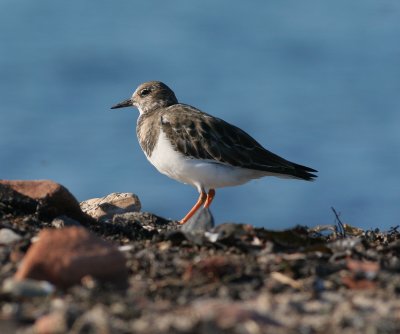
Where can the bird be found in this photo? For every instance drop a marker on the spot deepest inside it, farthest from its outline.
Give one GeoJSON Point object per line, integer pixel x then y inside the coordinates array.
{"type": "Point", "coordinates": [201, 150]}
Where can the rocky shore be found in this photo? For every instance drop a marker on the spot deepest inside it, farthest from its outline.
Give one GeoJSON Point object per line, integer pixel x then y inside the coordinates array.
{"type": "Point", "coordinates": [103, 266]}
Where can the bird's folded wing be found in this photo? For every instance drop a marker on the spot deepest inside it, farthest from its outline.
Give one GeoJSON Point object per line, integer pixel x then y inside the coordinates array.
{"type": "Point", "coordinates": [201, 136]}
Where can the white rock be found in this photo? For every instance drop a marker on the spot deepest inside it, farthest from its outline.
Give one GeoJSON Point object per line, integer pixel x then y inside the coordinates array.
{"type": "Point", "coordinates": [8, 236]}
{"type": "Point", "coordinates": [106, 207]}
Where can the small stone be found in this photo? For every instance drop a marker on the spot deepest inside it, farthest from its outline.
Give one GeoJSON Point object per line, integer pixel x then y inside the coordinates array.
{"type": "Point", "coordinates": [63, 257]}
{"type": "Point", "coordinates": [227, 315]}
{"type": "Point", "coordinates": [201, 222]}
{"type": "Point", "coordinates": [363, 269]}
{"type": "Point", "coordinates": [64, 221]}
{"type": "Point", "coordinates": [125, 248]}
{"type": "Point", "coordinates": [27, 288]}
{"type": "Point", "coordinates": [96, 320]}
{"type": "Point", "coordinates": [52, 323]}
{"type": "Point", "coordinates": [358, 284]}
{"type": "Point", "coordinates": [106, 207]}
{"type": "Point", "coordinates": [8, 236]}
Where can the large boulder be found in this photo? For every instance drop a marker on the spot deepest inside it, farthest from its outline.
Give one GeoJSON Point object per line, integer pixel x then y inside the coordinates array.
{"type": "Point", "coordinates": [48, 198]}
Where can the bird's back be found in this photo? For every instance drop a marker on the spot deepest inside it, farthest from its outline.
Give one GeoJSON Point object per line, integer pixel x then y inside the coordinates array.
{"type": "Point", "coordinates": [201, 136]}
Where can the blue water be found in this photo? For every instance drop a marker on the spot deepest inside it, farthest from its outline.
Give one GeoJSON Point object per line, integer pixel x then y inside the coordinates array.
{"type": "Point", "coordinates": [316, 82]}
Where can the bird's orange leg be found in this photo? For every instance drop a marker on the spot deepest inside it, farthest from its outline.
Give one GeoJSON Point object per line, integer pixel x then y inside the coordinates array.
{"type": "Point", "coordinates": [210, 197]}
{"type": "Point", "coordinates": [200, 201]}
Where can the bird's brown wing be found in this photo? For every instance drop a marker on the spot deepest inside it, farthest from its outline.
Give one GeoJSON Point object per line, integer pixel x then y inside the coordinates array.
{"type": "Point", "coordinates": [201, 136]}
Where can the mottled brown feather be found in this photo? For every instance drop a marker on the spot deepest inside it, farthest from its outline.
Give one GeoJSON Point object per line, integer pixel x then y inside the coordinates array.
{"type": "Point", "coordinates": [201, 136]}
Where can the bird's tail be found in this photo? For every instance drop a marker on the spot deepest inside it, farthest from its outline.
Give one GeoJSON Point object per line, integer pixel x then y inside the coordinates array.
{"type": "Point", "coordinates": [303, 172]}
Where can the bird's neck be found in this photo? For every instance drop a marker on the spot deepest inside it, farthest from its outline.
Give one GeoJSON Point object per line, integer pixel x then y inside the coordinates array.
{"type": "Point", "coordinates": [147, 131]}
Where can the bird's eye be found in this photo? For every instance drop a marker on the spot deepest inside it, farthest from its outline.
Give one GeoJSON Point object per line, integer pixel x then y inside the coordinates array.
{"type": "Point", "coordinates": [145, 92]}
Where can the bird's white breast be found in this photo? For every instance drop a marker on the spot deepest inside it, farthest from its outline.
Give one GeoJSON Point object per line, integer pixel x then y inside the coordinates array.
{"type": "Point", "coordinates": [202, 174]}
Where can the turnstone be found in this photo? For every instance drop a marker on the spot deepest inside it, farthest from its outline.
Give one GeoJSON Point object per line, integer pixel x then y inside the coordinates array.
{"type": "Point", "coordinates": [196, 148]}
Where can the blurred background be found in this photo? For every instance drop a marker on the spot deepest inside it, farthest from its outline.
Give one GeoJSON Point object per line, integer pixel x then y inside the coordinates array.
{"type": "Point", "coordinates": [315, 82]}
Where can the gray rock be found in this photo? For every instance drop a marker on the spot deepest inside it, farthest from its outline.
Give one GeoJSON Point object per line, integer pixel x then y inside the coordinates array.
{"type": "Point", "coordinates": [27, 288]}
{"type": "Point", "coordinates": [96, 320]}
{"type": "Point", "coordinates": [201, 222]}
{"type": "Point", "coordinates": [8, 236]}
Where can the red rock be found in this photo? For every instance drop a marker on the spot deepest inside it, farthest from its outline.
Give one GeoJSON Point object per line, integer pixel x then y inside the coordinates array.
{"type": "Point", "coordinates": [362, 274]}
{"type": "Point", "coordinates": [358, 284]}
{"type": "Point", "coordinates": [367, 267]}
{"type": "Point", "coordinates": [64, 256]}
{"type": "Point", "coordinates": [16, 255]}
{"type": "Point", "coordinates": [14, 202]}
{"type": "Point", "coordinates": [52, 198]}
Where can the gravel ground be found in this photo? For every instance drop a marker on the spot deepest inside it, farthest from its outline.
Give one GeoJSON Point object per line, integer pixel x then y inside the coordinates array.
{"type": "Point", "coordinates": [233, 278]}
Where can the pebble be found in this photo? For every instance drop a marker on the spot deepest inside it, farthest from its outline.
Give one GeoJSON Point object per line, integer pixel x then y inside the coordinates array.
{"type": "Point", "coordinates": [64, 221]}
{"type": "Point", "coordinates": [27, 288]}
{"type": "Point", "coordinates": [52, 323]}
{"type": "Point", "coordinates": [201, 222]}
{"type": "Point", "coordinates": [8, 236]}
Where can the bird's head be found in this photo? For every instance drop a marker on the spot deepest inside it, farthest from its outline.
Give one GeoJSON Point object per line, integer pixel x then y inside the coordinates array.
{"type": "Point", "coordinates": [149, 96]}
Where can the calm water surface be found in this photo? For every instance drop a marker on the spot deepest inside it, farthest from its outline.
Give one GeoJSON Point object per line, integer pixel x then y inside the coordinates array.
{"type": "Point", "coordinates": [317, 83]}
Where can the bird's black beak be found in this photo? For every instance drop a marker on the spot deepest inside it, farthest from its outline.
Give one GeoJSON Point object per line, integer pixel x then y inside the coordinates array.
{"type": "Point", "coordinates": [123, 104]}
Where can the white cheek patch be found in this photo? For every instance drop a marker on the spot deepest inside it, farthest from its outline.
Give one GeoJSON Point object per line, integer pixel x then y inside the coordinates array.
{"type": "Point", "coordinates": [140, 110]}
